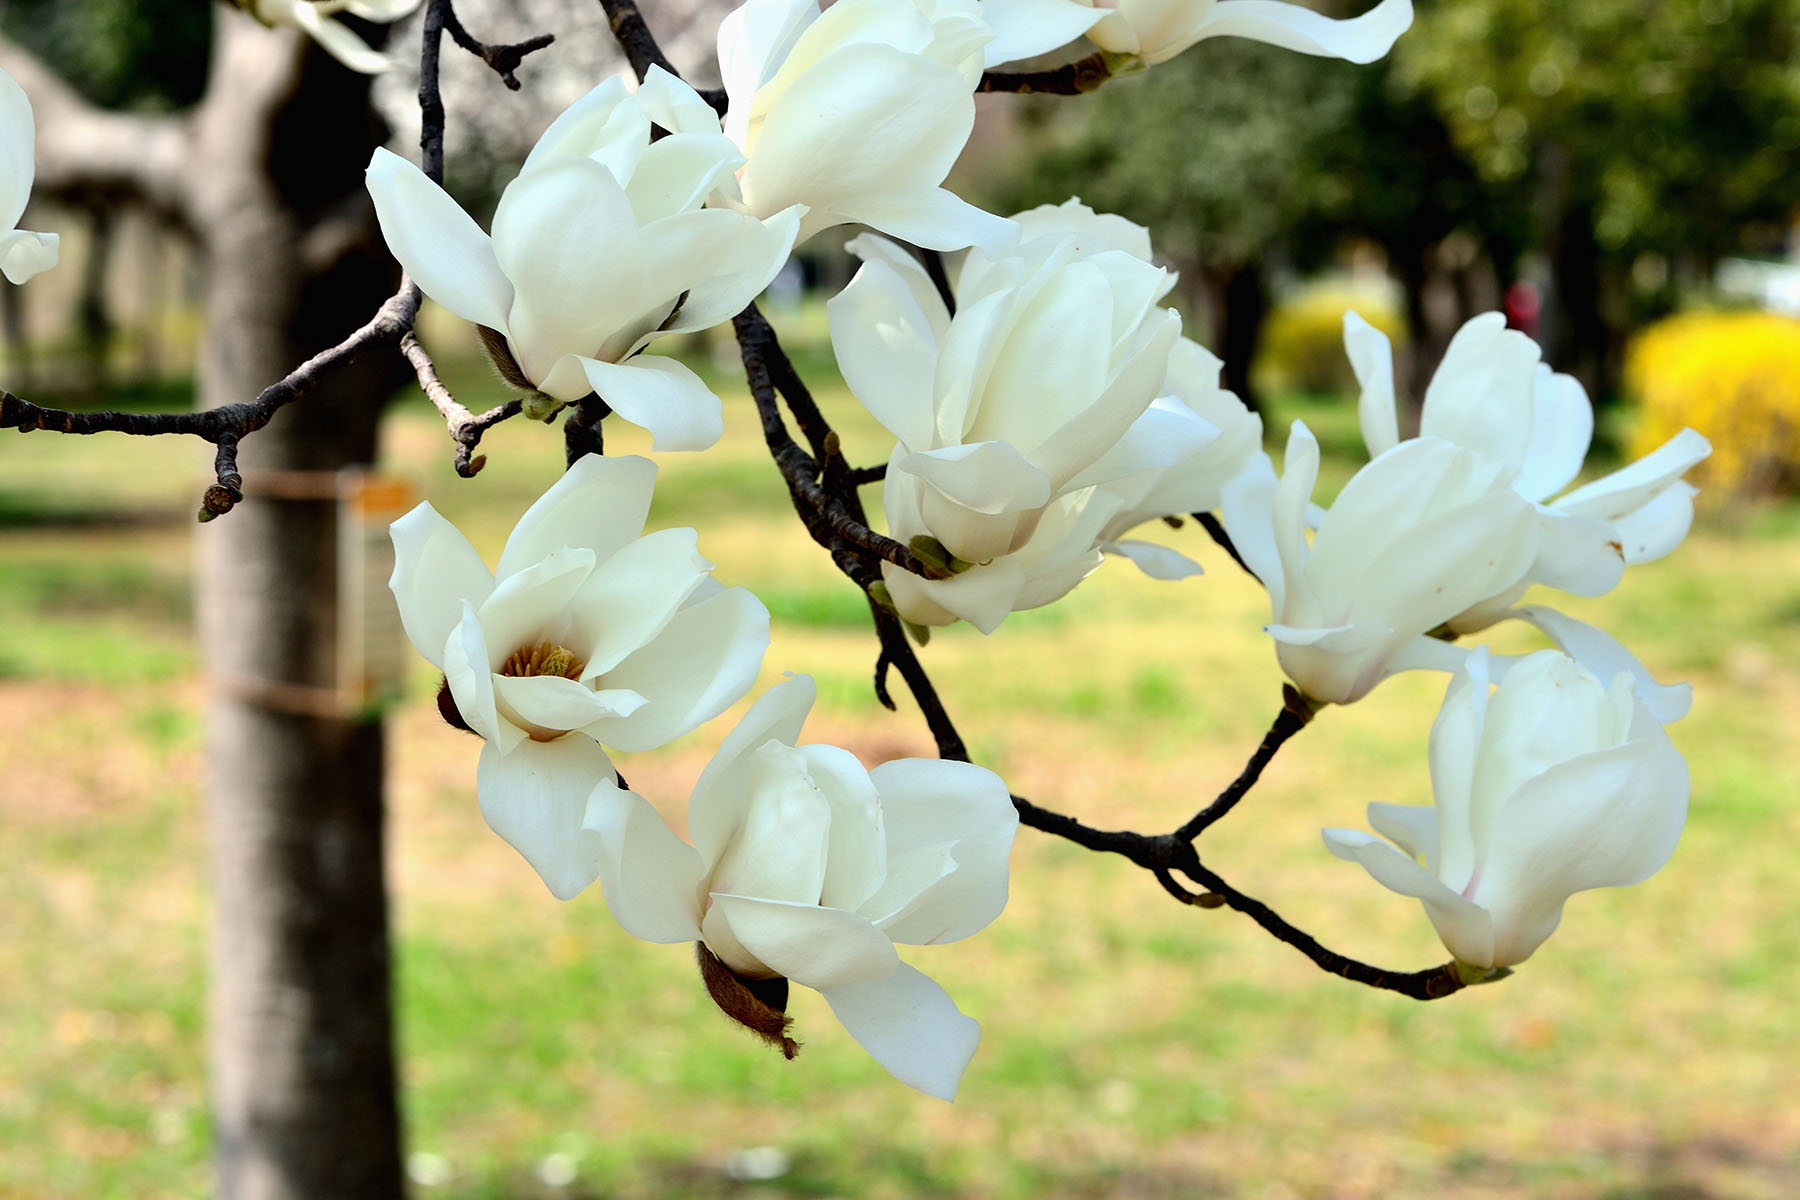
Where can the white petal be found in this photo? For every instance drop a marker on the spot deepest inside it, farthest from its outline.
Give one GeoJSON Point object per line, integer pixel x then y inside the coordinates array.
{"type": "Point", "coordinates": [339, 42]}
{"type": "Point", "coordinates": [1579, 555]}
{"type": "Point", "coordinates": [651, 878]}
{"type": "Point", "coordinates": [528, 606]}
{"type": "Point", "coordinates": [717, 805]}
{"type": "Point", "coordinates": [435, 571]}
{"type": "Point", "coordinates": [674, 105]}
{"type": "Point", "coordinates": [598, 504]}
{"type": "Point", "coordinates": [753, 40]}
{"type": "Point", "coordinates": [1028, 28]}
{"type": "Point", "coordinates": [780, 850]}
{"type": "Point", "coordinates": [909, 1025]}
{"type": "Point", "coordinates": [886, 346]}
{"type": "Point", "coordinates": [815, 947]}
{"type": "Point", "coordinates": [437, 243]}
{"type": "Point", "coordinates": [935, 218]}
{"type": "Point", "coordinates": [1608, 819]}
{"type": "Point", "coordinates": [536, 798]}
{"type": "Point", "coordinates": [632, 596]}
{"type": "Point", "coordinates": [864, 122]}
{"type": "Point", "coordinates": [565, 235]}
{"type": "Point", "coordinates": [552, 704]}
{"type": "Point", "coordinates": [663, 396]}
{"type": "Point", "coordinates": [1156, 561]}
{"type": "Point", "coordinates": [1562, 426]}
{"type": "Point", "coordinates": [1653, 530]}
{"type": "Point", "coordinates": [470, 678]}
{"type": "Point", "coordinates": [931, 801]}
{"type": "Point", "coordinates": [677, 173]}
{"type": "Point", "coordinates": [1481, 396]}
{"type": "Point", "coordinates": [1464, 927]}
{"type": "Point", "coordinates": [752, 257]}
{"type": "Point", "coordinates": [1454, 753]}
{"type": "Point", "coordinates": [1412, 827]}
{"type": "Point", "coordinates": [607, 125]}
{"type": "Point", "coordinates": [982, 596]}
{"type": "Point", "coordinates": [18, 148]}
{"type": "Point", "coordinates": [704, 659]}
{"type": "Point", "coordinates": [1246, 509]}
{"type": "Point", "coordinates": [24, 255]}
{"type": "Point", "coordinates": [1627, 489]}
{"type": "Point", "coordinates": [1372, 358]}
{"type": "Point", "coordinates": [1606, 657]}
{"type": "Point", "coordinates": [1361, 39]}
{"type": "Point", "coordinates": [856, 866]}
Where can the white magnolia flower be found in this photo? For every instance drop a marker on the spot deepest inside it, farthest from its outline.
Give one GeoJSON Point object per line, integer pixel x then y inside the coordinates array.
{"type": "Point", "coordinates": [1021, 397]}
{"type": "Point", "coordinates": [313, 17]}
{"type": "Point", "coordinates": [1552, 785]}
{"type": "Point", "coordinates": [806, 867]}
{"type": "Point", "coordinates": [1415, 537]}
{"type": "Point", "coordinates": [1492, 395]}
{"type": "Point", "coordinates": [600, 246]}
{"type": "Point", "coordinates": [586, 634]}
{"type": "Point", "coordinates": [22, 253]}
{"type": "Point", "coordinates": [1154, 31]}
{"type": "Point", "coordinates": [858, 113]}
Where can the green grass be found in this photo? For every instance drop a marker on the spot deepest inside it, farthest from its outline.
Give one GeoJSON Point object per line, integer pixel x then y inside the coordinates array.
{"type": "Point", "coordinates": [1132, 1047]}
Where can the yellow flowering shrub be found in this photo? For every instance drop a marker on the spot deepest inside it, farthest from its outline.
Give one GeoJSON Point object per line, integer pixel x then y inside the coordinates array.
{"type": "Point", "coordinates": [1735, 377]}
{"type": "Point", "coordinates": [1302, 346]}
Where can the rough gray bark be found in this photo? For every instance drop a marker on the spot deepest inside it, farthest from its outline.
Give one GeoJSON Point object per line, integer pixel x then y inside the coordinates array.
{"type": "Point", "coordinates": [302, 1052]}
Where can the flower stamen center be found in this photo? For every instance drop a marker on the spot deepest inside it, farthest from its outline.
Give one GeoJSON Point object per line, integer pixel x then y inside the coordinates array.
{"type": "Point", "coordinates": [545, 658]}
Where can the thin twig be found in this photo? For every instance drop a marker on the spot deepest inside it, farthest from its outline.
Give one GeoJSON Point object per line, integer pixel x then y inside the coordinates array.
{"type": "Point", "coordinates": [226, 425]}
{"type": "Point", "coordinates": [1296, 712]}
{"type": "Point", "coordinates": [502, 57]}
{"type": "Point", "coordinates": [1432, 984]}
{"type": "Point", "coordinates": [465, 427]}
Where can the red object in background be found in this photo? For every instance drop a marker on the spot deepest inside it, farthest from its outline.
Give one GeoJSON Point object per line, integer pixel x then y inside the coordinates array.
{"type": "Point", "coordinates": [1524, 308]}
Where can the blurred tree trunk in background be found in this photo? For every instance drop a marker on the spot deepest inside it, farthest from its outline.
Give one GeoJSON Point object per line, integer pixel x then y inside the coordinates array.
{"type": "Point", "coordinates": [266, 173]}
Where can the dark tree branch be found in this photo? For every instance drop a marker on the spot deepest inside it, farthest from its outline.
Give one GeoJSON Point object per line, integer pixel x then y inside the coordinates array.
{"type": "Point", "coordinates": [503, 58]}
{"type": "Point", "coordinates": [641, 50]}
{"type": "Point", "coordinates": [940, 279]}
{"type": "Point", "coordinates": [833, 517]}
{"type": "Point", "coordinates": [1432, 984]}
{"type": "Point", "coordinates": [1296, 712]}
{"type": "Point", "coordinates": [1070, 79]}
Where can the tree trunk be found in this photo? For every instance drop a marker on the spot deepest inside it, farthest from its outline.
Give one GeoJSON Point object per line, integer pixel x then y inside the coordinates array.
{"type": "Point", "coordinates": [302, 1051]}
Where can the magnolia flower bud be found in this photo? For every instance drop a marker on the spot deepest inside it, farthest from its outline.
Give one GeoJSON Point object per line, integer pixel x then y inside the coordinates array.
{"type": "Point", "coordinates": [1551, 785]}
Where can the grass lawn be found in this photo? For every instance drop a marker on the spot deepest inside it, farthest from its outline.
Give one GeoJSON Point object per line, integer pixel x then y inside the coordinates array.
{"type": "Point", "coordinates": [1132, 1047]}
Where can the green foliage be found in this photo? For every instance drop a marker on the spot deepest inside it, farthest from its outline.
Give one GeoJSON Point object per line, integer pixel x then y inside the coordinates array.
{"type": "Point", "coordinates": [119, 53]}
{"type": "Point", "coordinates": [1216, 150]}
{"type": "Point", "coordinates": [1678, 123]}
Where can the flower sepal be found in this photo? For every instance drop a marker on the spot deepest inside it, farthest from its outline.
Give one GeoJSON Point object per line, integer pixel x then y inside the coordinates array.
{"type": "Point", "coordinates": [759, 1005]}
{"type": "Point", "coordinates": [1473, 976]}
